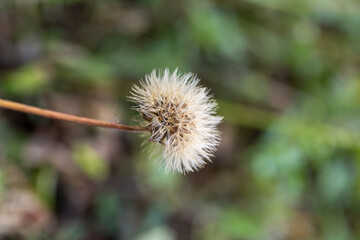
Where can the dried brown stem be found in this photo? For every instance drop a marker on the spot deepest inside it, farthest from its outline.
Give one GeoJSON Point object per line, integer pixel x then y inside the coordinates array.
{"type": "Point", "coordinates": [67, 117]}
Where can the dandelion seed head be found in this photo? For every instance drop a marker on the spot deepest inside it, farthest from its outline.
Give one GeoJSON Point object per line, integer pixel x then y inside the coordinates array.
{"type": "Point", "coordinates": [180, 115]}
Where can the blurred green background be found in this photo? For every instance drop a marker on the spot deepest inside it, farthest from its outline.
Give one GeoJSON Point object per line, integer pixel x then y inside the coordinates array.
{"type": "Point", "coordinates": [286, 75]}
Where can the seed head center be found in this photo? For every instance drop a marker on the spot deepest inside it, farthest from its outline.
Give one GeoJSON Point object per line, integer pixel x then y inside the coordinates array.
{"type": "Point", "coordinates": [169, 123]}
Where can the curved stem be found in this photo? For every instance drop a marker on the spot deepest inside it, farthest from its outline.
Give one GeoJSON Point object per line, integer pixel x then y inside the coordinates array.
{"type": "Point", "coordinates": [67, 117]}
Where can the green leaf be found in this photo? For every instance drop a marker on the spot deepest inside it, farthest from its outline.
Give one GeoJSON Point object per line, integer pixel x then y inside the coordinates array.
{"type": "Point", "coordinates": [335, 182]}
{"type": "Point", "coordinates": [90, 162]}
{"type": "Point", "coordinates": [107, 210]}
{"type": "Point", "coordinates": [45, 185]}
{"type": "Point", "coordinates": [216, 31]}
{"type": "Point", "coordinates": [30, 79]}
{"type": "Point", "coordinates": [236, 224]}
{"type": "Point", "coordinates": [2, 184]}
{"type": "Point", "coordinates": [87, 69]}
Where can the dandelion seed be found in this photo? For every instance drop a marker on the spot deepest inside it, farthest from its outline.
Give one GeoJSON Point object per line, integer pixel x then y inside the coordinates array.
{"type": "Point", "coordinates": [181, 116]}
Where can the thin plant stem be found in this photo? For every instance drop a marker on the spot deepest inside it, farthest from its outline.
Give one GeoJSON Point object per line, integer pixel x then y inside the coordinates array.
{"type": "Point", "coordinates": [67, 117]}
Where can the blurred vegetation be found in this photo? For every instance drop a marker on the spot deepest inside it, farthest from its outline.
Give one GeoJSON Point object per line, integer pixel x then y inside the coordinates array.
{"type": "Point", "coordinates": [287, 78]}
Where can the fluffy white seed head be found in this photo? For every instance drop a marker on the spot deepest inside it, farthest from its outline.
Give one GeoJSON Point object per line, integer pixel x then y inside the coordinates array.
{"type": "Point", "coordinates": [181, 116]}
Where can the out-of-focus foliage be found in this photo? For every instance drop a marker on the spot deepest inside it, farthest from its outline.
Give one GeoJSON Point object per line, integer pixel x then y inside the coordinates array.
{"type": "Point", "coordinates": [287, 78]}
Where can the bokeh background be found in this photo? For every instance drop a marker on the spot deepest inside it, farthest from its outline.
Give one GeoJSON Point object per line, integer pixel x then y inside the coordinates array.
{"type": "Point", "coordinates": [286, 75]}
